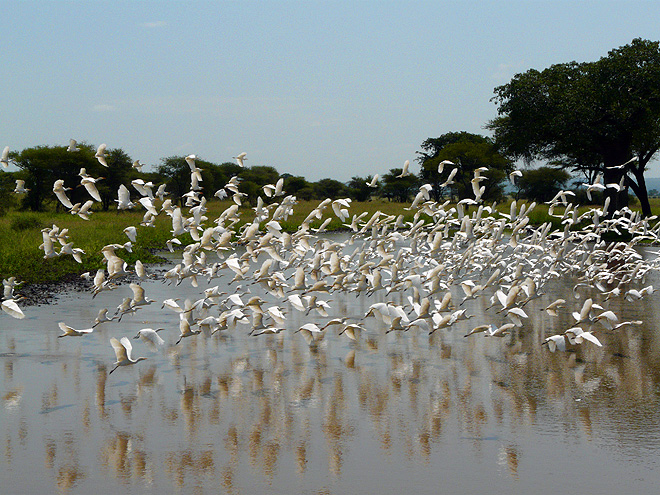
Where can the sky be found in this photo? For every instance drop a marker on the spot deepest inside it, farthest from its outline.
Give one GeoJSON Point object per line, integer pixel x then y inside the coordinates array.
{"type": "Point", "coordinates": [322, 89]}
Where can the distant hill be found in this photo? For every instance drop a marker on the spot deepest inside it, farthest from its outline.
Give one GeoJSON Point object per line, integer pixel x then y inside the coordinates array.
{"type": "Point", "coordinates": [653, 183]}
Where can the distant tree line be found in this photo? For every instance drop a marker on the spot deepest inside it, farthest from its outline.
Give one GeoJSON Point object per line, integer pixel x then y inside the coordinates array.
{"type": "Point", "coordinates": [41, 166]}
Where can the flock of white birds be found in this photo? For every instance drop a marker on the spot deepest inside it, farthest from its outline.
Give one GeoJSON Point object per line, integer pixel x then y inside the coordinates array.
{"type": "Point", "coordinates": [448, 254]}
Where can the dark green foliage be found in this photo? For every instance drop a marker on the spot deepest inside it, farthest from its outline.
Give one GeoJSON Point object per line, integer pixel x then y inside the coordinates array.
{"type": "Point", "coordinates": [468, 152]}
{"type": "Point", "coordinates": [176, 174]}
{"type": "Point", "coordinates": [358, 189]}
{"type": "Point", "coordinates": [330, 188]}
{"type": "Point", "coordinates": [293, 184]}
{"type": "Point", "coordinates": [542, 184]}
{"type": "Point", "coordinates": [7, 196]}
{"type": "Point", "coordinates": [43, 165]}
{"type": "Point", "coordinates": [398, 188]}
{"type": "Point", "coordinates": [589, 116]}
{"type": "Point", "coordinates": [26, 222]}
{"type": "Point", "coordinates": [119, 171]}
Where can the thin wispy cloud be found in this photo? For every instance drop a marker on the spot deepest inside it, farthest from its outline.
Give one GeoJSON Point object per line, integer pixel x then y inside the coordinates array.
{"type": "Point", "coordinates": [154, 24]}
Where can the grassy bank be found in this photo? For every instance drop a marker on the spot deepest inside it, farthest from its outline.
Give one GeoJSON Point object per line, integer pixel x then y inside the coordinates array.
{"type": "Point", "coordinates": [20, 234]}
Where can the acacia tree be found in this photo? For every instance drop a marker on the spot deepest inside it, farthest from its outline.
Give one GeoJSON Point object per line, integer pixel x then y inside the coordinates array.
{"type": "Point", "coordinates": [592, 117]}
{"type": "Point", "coordinates": [541, 184]}
{"type": "Point", "coordinates": [468, 152]}
{"type": "Point", "coordinates": [329, 188]}
{"type": "Point", "coordinates": [43, 165]}
{"type": "Point", "coordinates": [119, 171]}
{"type": "Point", "coordinates": [399, 188]}
{"type": "Point", "coordinates": [358, 189]}
{"type": "Point", "coordinates": [176, 173]}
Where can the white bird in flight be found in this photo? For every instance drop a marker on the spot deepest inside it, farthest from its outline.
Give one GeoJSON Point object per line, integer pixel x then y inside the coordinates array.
{"type": "Point", "coordinates": [100, 155]}
{"type": "Point", "coordinates": [10, 307]}
{"type": "Point", "coordinates": [240, 158]}
{"type": "Point", "coordinates": [4, 160]}
{"type": "Point", "coordinates": [441, 165]}
{"type": "Point", "coordinates": [89, 183]}
{"type": "Point", "coordinates": [374, 181]}
{"type": "Point", "coordinates": [72, 332]}
{"type": "Point", "coordinates": [404, 172]}
{"type": "Point", "coordinates": [123, 349]}
{"type": "Point", "coordinates": [60, 192]}
{"type": "Point", "coordinates": [150, 336]}
{"type": "Point", "coordinates": [20, 187]}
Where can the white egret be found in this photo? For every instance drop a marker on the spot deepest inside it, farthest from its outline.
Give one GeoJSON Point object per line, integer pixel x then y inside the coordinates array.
{"type": "Point", "coordinates": [4, 158]}
{"type": "Point", "coordinates": [20, 187]}
{"type": "Point", "coordinates": [150, 336]}
{"type": "Point", "coordinates": [404, 172]}
{"type": "Point", "coordinates": [124, 198]}
{"type": "Point", "coordinates": [374, 181]}
{"type": "Point", "coordinates": [513, 175]}
{"type": "Point", "coordinates": [240, 158]}
{"type": "Point", "coordinates": [441, 165]}
{"type": "Point", "coordinates": [60, 192]}
{"type": "Point", "coordinates": [123, 349]}
{"type": "Point", "coordinates": [10, 307]}
{"type": "Point", "coordinates": [555, 342]}
{"type": "Point", "coordinates": [100, 155]}
{"type": "Point", "coordinates": [73, 146]}
{"type": "Point", "coordinates": [72, 332]}
{"type": "Point", "coordinates": [102, 317]}
{"type": "Point", "coordinates": [185, 329]}
{"type": "Point", "coordinates": [89, 183]}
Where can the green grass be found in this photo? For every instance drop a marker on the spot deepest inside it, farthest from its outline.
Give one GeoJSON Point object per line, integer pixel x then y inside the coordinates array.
{"type": "Point", "coordinates": [20, 234]}
{"type": "Point", "coordinates": [20, 237]}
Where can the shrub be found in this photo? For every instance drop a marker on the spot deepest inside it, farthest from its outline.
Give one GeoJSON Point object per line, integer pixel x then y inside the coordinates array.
{"type": "Point", "coordinates": [26, 222]}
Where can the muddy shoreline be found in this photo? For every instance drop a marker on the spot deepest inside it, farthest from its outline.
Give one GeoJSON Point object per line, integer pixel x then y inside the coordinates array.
{"type": "Point", "coordinates": [42, 293]}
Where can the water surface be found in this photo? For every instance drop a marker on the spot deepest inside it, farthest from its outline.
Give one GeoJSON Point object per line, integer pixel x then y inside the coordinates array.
{"type": "Point", "coordinates": [402, 412]}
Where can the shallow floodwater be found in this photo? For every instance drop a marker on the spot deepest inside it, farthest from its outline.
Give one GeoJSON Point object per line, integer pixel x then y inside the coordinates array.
{"type": "Point", "coordinates": [392, 413]}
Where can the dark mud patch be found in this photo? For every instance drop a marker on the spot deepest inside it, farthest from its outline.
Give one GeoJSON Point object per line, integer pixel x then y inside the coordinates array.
{"type": "Point", "coordinates": [47, 292]}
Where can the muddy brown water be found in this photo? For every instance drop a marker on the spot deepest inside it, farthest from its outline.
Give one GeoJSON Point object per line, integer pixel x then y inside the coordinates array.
{"type": "Point", "coordinates": [392, 413]}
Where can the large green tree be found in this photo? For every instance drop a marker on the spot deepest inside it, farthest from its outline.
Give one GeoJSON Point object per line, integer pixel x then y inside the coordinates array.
{"type": "Point", "coordinates": [41, 166]}
{"type": "Point", "coordinates": [176, 173]}
{"type": "Point", "coordinates": [590, 116]}
{"type": "Point", "coordinates": [358, 189]}
{"type": "Point", "coordinates": [541, 184]}
{"type": "Point", "coordinates": [468, 152]}
{"type": "Point", "coordinates": [119, 171]}
{"type": "Point", "coordinates": [329, 188]}
{"type": "Point", "coordinates": [399, 188]}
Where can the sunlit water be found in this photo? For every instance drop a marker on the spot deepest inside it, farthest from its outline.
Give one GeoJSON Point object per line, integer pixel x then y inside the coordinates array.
{"type": "Point", "coordinates": [391, 413]}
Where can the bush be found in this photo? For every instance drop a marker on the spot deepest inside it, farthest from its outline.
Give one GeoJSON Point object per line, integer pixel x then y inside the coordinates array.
{"type": "Point", "coordinates": [26, 222]}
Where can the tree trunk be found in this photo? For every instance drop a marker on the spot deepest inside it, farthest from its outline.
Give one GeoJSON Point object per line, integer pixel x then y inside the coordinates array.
{"type": "Point", "coordinates": [613, 157]}
{"type": "Point", "coordinates": [618, 199]}
{"type": "Point", "coordinates": [639, 188]}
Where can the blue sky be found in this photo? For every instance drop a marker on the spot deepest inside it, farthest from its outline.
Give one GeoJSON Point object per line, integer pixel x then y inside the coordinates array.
{"type": "Point", "coordinates": [313, 88]}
